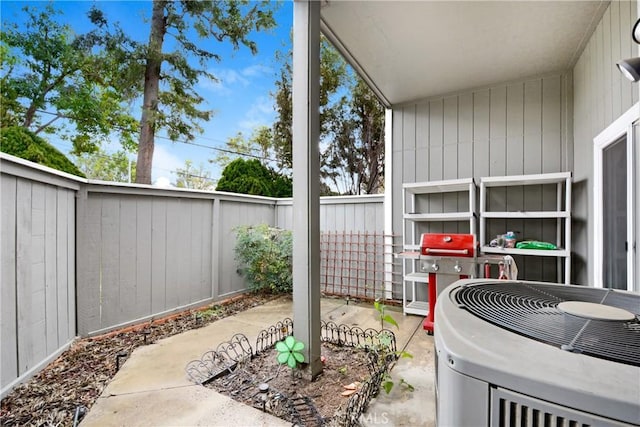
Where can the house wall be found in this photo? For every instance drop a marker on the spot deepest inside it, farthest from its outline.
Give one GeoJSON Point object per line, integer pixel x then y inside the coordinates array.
{"type": "Point", "coordinates": [37, 237]}
{"type": "Point", "coordinates": [601, 94]}
{"type": "Point", "coordinates": [508, 129]}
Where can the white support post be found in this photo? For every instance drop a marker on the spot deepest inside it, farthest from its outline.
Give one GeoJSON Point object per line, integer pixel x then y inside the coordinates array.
{"type": "Point", "coordinates": [388, 203]}
{"type": "Point", "coordinates": [306, 180]}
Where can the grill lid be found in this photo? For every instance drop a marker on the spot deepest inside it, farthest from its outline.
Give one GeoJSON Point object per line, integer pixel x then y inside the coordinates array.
{"type": "Point", "coordinates": [448, 244]}
{"type": "Point", "coordinates": [540, 312]}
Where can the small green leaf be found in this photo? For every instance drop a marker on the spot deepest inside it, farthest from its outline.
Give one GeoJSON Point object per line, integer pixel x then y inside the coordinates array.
{"type": "Point", "coordinates": [281, 347]}
{"type": "Point", "coordinates": [298, 356]}
{"type": "Point", "coordinates": [291, 361]}
{"type": "Point", "coordinates": [390, 320]}
{"type": "Point", "coordinates": [387, 385]}
{"type": "Point", "coordinates": [406, 354]}
{"type": "Point", "coordinates": [290, 342]}
{"type": "Point", "coordinates": [283, 358]}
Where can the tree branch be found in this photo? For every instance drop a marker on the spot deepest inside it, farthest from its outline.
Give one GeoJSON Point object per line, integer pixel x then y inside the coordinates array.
{"type": "Point", "coordinates": [44, 126]}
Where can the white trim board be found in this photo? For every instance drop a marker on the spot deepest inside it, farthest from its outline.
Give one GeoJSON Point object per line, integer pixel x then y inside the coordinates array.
{"type": "Point", "coordinates": [622, 126]}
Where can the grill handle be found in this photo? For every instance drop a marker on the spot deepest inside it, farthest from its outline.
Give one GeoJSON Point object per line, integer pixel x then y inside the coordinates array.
{"type": "Point", "coordinates": [446, 251]}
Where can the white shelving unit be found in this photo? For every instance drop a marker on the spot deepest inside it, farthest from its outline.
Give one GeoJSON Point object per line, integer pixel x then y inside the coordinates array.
{"type": "Point", "coordinates": [412, 276]}
{"type": "Point", "coordinates": [562, 214]}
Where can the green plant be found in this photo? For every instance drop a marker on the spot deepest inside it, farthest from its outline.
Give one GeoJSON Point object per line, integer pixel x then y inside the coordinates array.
{"type": "Point", "coordinates": [20, 142]}
{"type": "Point", "coordinates": [265, 257]}
{"type": "Point", "coordinates": [289, 352]}
{"type": "Point", "coordinates": [384, 337]}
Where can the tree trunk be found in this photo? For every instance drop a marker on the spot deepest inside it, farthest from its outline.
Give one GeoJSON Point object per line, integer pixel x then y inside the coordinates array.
{"type": "Point", "coordinates": [151, 89]}
{"type": "Point", "coordinates": [28, 117]}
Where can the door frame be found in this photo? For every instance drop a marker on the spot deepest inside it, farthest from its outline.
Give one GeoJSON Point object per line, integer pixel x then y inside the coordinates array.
{"type": "Point", "coordinates": [622, 126]}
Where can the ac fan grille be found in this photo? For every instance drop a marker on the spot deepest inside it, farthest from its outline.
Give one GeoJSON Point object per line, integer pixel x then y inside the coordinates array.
{"type": "Point", "coordinates": [531, 310]}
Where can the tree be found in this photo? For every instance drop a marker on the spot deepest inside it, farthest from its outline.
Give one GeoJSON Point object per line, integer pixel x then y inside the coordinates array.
{"type": "Point", "coordinates": [116, 167]}
{"type": "Point", "coordinates": [259, 145]}
{"type": "Point", "coordinates": [20, 142]}
{"type": "Point", "coordinates": [252, 177]}
{"type": "Point", "coordinates": [170, 100]}
{"type": "Point", "coordinates": [333, 76]}
{"type": "Point", "coordinates": [351, 127]}
{"type": "Point", "coordinates": [355, 160]}
{"type": "Point", "coordinates": [55, 81]}
{"type": "Point", "coordinates": [194, 178]}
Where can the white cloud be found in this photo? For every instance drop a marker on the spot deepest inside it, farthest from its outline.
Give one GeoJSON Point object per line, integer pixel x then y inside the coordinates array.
{"type": "Point", "coordinates": [256, 70]}
{"type": "Point", "coordinates": [261, 112]}
{"type": "Point", "coordinates": [163, 182]}
{"type": "Point", "coordinates": [228, 79]}
{"type": "Point", "coordinates": [164, 163]}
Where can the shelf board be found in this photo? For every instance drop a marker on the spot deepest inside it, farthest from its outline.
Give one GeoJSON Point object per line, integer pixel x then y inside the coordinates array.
{"type": "Point", "coordinates": [447, 216]}
{"type": "Point", "coordinates": [544, 178]}
{"type": "Point", "coordinates": [526, 214]}
{"type": "Point", "coordinates": [446, 186]}
{"type": "Point", "coordinates": [420, 308]}
{"type": "Point", "coordinates": [513, 251]}
{"type": "Point", "coordinates": [417, 277]}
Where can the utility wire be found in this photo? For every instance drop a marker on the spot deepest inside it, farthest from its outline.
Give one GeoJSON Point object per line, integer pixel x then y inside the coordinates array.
{"type": "Point", "coordinates": [209, 147]}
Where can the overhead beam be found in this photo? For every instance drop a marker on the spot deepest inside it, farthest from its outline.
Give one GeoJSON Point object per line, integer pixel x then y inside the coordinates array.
{"type": "Point", "coordinates": [306, 180]}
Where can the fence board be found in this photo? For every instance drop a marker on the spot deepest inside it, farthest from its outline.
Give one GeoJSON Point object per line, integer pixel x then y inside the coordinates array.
{"type": "Point", "coordinates": [50, 264]}
{"type": "Point", "coordinates": [8, 324]}
{"type": "Point", "coordinates": [71, 264]}
{"type": "Point", "coordinates": [62, 256]}
{"type": "Point", "coordinates": [159, 255]}
{"type": "Point", "coordinates": [144, 244]}
{"type": "Point", "coordinates": [127, 274]}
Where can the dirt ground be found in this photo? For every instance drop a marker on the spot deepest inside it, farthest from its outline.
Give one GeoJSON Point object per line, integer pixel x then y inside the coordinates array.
{"type": "Point", "coordinates": [344, 369]}
{"type": "Point", "coordinates": [79, 375]}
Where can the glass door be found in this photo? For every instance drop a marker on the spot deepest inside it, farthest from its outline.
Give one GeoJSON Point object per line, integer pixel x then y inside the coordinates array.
{"type": "Point", "coordinates": [616, 195]}
{"type": "Point", "coordinates": [614, 214]}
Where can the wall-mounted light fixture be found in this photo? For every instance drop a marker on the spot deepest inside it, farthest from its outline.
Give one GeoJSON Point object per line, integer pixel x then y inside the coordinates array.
{"type": "Point", "coordinates": [630, 68]}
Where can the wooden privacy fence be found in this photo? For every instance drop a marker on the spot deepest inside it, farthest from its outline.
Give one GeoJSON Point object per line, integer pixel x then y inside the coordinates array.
{"type": "Point", "coordinates": [81, 257]}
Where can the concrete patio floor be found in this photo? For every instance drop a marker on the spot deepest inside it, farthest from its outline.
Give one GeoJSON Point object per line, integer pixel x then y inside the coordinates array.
{"type": "Point", "coordinates": [152, 389]}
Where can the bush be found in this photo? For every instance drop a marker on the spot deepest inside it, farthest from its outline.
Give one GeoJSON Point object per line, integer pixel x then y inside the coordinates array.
{"type": "Point", "coordinates": [265, 257]}
{"type": "Point", "coordinates": [252, 177]}
{"type": "Point", "coordinates": [22, 143]}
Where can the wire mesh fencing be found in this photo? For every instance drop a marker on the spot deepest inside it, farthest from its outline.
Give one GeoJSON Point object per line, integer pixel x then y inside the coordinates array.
{"type": "Point", "coordinates": [358, 264]}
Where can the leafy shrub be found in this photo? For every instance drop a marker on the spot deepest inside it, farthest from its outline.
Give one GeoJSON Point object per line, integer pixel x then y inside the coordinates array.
{"type": "Point", "coordinates": [265, 256]}
{"type": "Point", "coordinates": [20, 142]}
{"type": "Point", "coordinates": [252, 177]}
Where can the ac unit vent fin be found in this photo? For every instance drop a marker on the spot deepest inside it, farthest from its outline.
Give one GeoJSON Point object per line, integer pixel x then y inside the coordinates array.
{"type": "Point", "coordinates": [511, 409]}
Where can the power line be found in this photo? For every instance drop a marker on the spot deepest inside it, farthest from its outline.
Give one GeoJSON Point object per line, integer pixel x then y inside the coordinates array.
{"type": "Point", "coordinates": [223, 150]}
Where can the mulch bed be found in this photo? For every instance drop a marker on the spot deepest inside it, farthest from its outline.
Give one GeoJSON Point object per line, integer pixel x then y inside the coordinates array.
{"type": "Point", "coordinates": [80, 374]}
{"type": "Point", "coordinates": [343, 367]}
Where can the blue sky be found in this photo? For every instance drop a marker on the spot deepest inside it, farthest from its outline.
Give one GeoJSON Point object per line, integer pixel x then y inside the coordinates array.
{"type": "Point", "coordinates": [241, 99]}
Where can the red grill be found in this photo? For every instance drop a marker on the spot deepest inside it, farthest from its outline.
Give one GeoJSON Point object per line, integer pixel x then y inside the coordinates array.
{"type": "Point", "coordinates": [454, 245]}
{"type": "Point", "coordinates": [444, 253]}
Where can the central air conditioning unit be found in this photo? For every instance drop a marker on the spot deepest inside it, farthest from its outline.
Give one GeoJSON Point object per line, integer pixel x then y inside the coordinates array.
{"type": "Point", "coordinates": [519, 354]}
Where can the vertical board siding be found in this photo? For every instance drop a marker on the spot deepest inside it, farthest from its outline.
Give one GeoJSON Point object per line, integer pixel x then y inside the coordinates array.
{"type": "Point", "coordinates": [139, 255]}
{"type": "Point", "coordinates": [8, 295]}
{"type": "Point", "coordinates": [600, 95]}
{"type": "Point", "coordinates": [150, 255]}
{"type": "Point", "coordinates": [37, 290]}
{"type": "Point", "coordinates": [509, 129]}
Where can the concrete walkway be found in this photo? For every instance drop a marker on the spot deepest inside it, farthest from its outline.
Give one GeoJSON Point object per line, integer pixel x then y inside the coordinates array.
{"type": "Point", "coordinates": [152, 389]}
